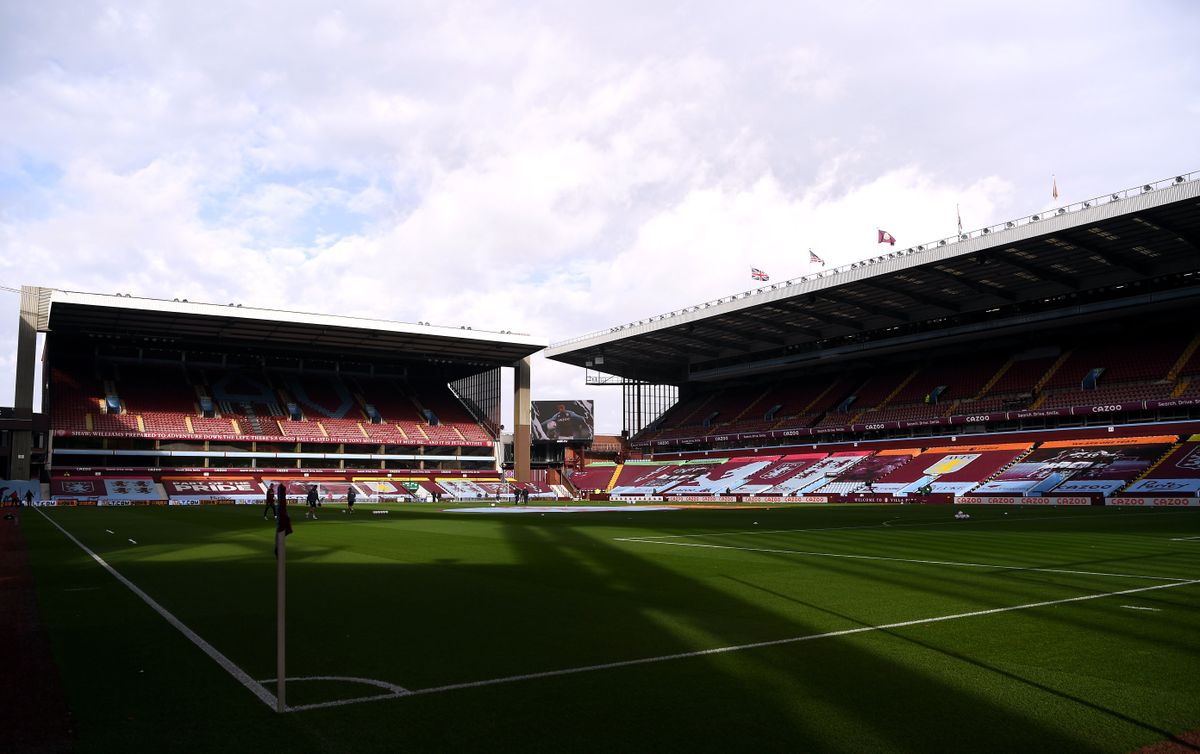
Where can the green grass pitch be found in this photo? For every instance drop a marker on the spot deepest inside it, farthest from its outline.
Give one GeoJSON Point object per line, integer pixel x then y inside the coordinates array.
{"type": "Point", "coordinates": [480, 615]}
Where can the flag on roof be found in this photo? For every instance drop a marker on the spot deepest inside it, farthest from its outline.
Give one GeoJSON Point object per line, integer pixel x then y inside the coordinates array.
{"type": "Point", "coordinates": [283, 523]}
{"type": "Point", "coordinates": [1053, 187]}
{"type": "Point", "coordinates": [959, 213]}
{"type": "Point", "coordinates": [758, 274]}
{"type": "Point", "coordinates": [813, 258]}
{"type": "Point", "coordinates": [885, 237]}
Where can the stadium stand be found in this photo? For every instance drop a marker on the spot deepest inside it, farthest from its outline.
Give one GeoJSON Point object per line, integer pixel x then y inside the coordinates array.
{"type": "Point", "coordinates": [1079, 466]}
{"type": "Point", "coordinates": [164, 402]}
{"type": "Point", "coordinates": [950, 469]}
{"type": "Point", "coordinates": [1178, 473]}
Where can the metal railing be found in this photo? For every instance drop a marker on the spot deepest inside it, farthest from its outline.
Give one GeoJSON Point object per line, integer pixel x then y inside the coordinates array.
{"type": "Point", "coordinates": [940, 243]}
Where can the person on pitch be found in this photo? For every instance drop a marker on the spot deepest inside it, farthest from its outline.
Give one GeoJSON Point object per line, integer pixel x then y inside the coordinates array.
{"type": "Point", "coordinates": [351, 496]}
{"type": "Point", "coordinates": [270, 503]}
{"type": "Point", "coordinates": [313, 499]}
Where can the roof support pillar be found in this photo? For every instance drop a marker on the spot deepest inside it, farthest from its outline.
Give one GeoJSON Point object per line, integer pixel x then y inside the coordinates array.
{"type": "Point", "coordinates": [521, 407]}
{"type": "Point", "coordinates": [22, 440]}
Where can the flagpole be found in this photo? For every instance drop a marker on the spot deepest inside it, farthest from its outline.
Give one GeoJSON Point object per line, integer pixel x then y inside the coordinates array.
{"type": "Point", "coordinates": [280, 619]}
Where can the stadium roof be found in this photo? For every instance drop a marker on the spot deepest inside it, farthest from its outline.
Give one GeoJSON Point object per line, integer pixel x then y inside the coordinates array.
{"type": "Point", "coordinates": [234, 325]}
{"type": "Point", "coordinates": [1066, 255]}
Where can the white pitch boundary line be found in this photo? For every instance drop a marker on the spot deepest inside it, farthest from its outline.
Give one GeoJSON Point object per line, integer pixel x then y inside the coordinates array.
{"type": "Point", "coordinates": [759, 532]}
{"type": "Point", "coordinates": [807, 553]}
{"type": "Point", "coordinates": [1184, 539]}
{"type": "Point", "coordinates": [791, 640]}
{"type": "Point", "coordinates": [394, 691]}
{"type": "Point", "coordinates": [244, 678]}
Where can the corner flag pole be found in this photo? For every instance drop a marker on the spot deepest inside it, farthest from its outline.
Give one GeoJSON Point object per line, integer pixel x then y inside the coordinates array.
{"type": "Point", "coordinates": [280, 619]}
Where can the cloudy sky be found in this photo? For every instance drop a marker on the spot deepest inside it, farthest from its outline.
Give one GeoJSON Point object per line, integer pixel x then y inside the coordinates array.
{"type": "Point", "coordinates": [552, 168]}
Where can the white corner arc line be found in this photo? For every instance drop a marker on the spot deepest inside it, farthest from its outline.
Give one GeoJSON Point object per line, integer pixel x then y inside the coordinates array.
{"type": "Point", "coordinates": [394, 691]}
{"type": "Point", "coordinates": [242, 676]}
{"type": "Point", "coordinates": [791, 640]}
{"type": "Point", "coordinates": [952, 563]}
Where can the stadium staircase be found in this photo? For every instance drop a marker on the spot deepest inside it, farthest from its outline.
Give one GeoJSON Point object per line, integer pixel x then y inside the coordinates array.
{"type": "Point", "coordinates": [698, 407]}
{"type": "Point", "coordinates": [741, 415]}
{"type": "Point", "coordinates": [252, 421]}
{"type": "Point", "coordinates": [1008, 465]}
{"type": "Point", "coordinates": [1184, 358]}
{"type": "Point", "coordinates": [613, 479]}
{"type": "Point", "coordinates": [1181, 387]}
{"type": "Point", "coordinates": [1150, 469]}
{"type": "Point", "coordinates": [1037, 386]}
{"type": "Point", "coordinates": [887, 398]}
{"type": "Point", "coordinates": [995, 378]}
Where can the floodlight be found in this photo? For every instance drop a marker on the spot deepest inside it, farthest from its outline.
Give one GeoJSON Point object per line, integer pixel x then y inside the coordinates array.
{"type": "Point", "coordinates": [1035, 217]}
{"type": "Point", "coordinates": [1146, 188]}
{"type": "Point", "coordinates": [1009, 225]}
{"type": "Point", "coordinates": [1062, 211]}
{"type": "Point", "coordinates": [986, 231]}
{"type": "Point", "coordinates": [1179, 179]}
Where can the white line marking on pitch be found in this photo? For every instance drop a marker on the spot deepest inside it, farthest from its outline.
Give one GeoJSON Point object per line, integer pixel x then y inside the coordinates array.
{"type": "Point", "coordinates": [255, 687]}
{"type": "Point", "coordinates": [110, 531]}
{"type": "Point", "coordinates": [1136, 607]}
{"type": "Point", "coordinates": [806, 553]}
{"type": "Point", "coordinates": [756, 532]}
{"type": "Point", "coordinates": [394, 691]}
{"type": "Point", "coordinates": [1184, 539]}
{"type": "Point", "coordinates": [792, 640]}
{"type": "Point", "coordinates": [132, 542]}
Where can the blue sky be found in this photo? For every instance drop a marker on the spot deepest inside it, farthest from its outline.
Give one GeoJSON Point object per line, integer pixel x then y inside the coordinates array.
{"type": "Point", "coordinates": [598, 163]}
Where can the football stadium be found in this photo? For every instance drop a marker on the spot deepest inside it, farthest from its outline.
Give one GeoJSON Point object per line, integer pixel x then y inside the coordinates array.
{"type": "Point", "coordinates": [946, 498]}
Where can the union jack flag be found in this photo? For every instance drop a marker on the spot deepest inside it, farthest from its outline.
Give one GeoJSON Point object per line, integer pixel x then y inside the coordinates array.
{"type": "Point", "coordinates": [758, 274]}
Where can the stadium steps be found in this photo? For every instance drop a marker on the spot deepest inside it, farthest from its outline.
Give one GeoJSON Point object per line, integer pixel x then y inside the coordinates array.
{"type": "Point", "coordinates": [912, 376]}
{"type": "Point", "coordinates": [1007, 466]}
{"type": "Point", "coordinates": [1062, 359]}
{"type": "Point", "coordinates": [1181, 388]}
{"type": "Point", "coordinates": [753, 403]}
{"type": "Point", "coordinates": [995, 378]}
{"type": "Point", "coordinates": [808, 409]}
{"type": "Point", "coordinates": [1150, 469]}
{"type": "Point", "coordinates": [707, 399]}
{"type": "Point", "coordinates": [87, 421]}
{"type": "Point", "coordinates": [141, 424]}
{"type": "Point", "coordinates": [1181, 362]}
{"type": "Point", "coordinates": [613, 479]}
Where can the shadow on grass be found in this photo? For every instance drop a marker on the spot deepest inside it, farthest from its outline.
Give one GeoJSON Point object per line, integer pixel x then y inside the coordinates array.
{"type": "Point", "coordinates": [468, 605]}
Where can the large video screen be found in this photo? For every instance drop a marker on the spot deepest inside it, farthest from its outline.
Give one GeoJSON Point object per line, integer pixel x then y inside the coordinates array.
{"type": "Point", "coordinates": [562, 421]}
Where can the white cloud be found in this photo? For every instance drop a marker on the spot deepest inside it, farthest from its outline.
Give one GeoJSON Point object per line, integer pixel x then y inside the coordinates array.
{"type": "Point", "coordinates": [554, 168]}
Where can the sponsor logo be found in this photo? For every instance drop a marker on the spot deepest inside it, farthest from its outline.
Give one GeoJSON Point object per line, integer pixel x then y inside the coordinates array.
{"type": "Point", "coordinates": [183, 502]}
{"type": "Point", "coordinates": [1070, 500]}
{"type": "Point", "coordinates": [873, 426]}
{"type": "Point", "coordinates": [977, 419]}
{"type": "Point", "coordinates": [981, 500]}
{"type": "Point", "coordinates": [1106, 409]}
{"type": "Point", "coordinates": [1165, 485]}
{"type": "Point", "coordinates": [114, 503]}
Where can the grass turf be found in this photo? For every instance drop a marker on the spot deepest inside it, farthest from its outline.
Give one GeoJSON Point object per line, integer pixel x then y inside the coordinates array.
{"type": "Point", "coordinates": [426, 599]}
